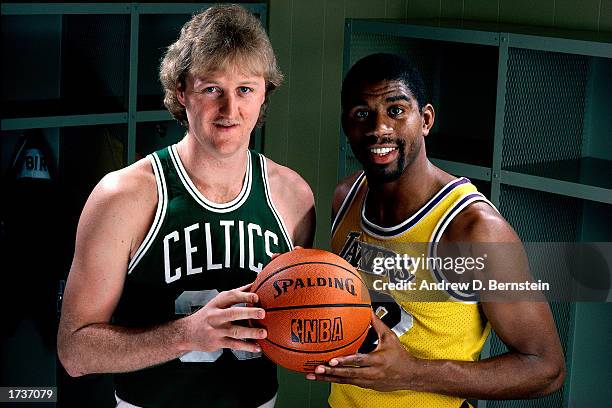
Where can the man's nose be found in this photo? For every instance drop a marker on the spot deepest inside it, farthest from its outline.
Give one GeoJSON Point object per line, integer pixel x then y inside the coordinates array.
{"type": "Point", "coordinates": [229, 104]}
{"type": "Point", "coordinates": [380, 126]}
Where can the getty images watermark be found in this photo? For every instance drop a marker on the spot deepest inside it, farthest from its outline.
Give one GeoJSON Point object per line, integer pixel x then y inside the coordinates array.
{"type": "Point", "coordinates": [536, 271]}
{"type": "Point", "coordinates": [459, 265]}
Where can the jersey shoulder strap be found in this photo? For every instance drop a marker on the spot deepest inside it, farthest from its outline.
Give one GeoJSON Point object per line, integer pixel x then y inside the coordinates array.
{"type": "Point", "coordinates": [262, 191]}
{"type": "Point", "coordinates": [160, 169]}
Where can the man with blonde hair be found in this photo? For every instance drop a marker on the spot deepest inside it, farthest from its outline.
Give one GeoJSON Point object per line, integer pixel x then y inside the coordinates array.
{"type": "Point", "coordinates": [167, 247]}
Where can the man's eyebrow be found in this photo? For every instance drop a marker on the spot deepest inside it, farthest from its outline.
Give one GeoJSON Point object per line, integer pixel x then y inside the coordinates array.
{"type": "Point", "coordinates": [397, 98]}
{"type": "Point", "coordinates": [356, 102]}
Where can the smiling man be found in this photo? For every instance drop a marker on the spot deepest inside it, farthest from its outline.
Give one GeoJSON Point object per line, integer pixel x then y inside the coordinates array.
{"type": "Point", "coordinates": [167, 247]}
{"type": "Point", "coordinates": [426, 348]}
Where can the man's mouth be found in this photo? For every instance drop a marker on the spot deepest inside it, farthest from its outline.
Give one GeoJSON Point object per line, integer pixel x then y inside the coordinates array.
{"type": "Point", "coordinates": [383, 154]}
{"type": "Point", "coordinates": [382, 151]}
{"type": "Point", "coordinates": [225, 123]}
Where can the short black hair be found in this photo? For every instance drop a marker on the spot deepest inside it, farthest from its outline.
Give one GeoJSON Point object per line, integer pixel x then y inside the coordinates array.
{"type": "Point", "coordinates": [384, 67]}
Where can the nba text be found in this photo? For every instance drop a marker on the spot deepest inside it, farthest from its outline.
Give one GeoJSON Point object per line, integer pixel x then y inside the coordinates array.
{"type": "Point", "coordinates": [316, 330]}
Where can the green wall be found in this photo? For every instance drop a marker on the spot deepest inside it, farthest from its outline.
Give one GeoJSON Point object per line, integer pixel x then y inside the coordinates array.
{"type": "Point", "coordinates": [303, 122]}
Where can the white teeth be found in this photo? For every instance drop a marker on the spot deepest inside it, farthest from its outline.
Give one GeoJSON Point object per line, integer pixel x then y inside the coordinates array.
{"type": "Point", "coordinates": [381, 151]}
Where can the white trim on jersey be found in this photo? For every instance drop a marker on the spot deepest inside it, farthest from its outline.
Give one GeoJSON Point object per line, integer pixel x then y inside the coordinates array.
{"type": "Point", "coordinates": [160, 213]}
{"type": "Point", "coordinates": [279, 219]}
{"type": "Point", "coordinates": [123, 404]}
{"type": "Point", "coordinates": [395, 231]}
{"type": "Point", "coordinates": [348, 201]}
{"type": "Point", "coordinates": [199, 197]}
{"type": "Point", "coordinates": [439, 229]}
{"type": "Point", "coordinates": [455, 209]}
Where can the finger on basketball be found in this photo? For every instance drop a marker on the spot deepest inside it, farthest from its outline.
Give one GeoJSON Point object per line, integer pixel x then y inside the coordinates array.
{"type": "Point", "coordinates": [241, 345]}
{"type": "Point", "coordinates": [347, 372]}
{"type": "Point", "coordinates": [245, 288]}
{"type": "Point", "coordinates": [242, 332]}
{"type": "Point", "coordinates": [241, 313]}
{"type": "Point", "coordinates": [380, 327]}
{"type": "Point", "coordinates": [235, 296]}
{"type": "Point", "coordinates": [353, 360]}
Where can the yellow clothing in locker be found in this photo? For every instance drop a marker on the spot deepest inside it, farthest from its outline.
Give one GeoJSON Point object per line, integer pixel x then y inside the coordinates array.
{"type": "Point", "coordinates": [431, 325]}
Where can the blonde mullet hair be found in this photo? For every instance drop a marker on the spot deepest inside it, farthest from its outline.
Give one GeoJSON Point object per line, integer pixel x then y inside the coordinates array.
{"type": "Point", "coordinates": [219, 37]}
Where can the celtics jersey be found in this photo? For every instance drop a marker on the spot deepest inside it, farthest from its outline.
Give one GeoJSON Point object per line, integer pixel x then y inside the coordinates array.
{"type": "Point", "coordinates": [430, 324]}
{"type": "Point", "coordinates": [195, 249]}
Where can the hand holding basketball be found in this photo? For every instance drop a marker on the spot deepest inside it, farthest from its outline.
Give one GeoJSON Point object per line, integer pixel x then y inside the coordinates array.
{"type": "Point", "coordinates": [211, 328]}
{"type": "Point", "coordinates": [388, 368]}
{"type": "Point", "coordinates": [317, 307]}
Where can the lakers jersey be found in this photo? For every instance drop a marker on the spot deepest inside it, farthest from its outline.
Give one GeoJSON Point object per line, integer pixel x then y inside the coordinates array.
{"type": "Point", "coordinates": [430, 325]}
{"type": "Point", "coordinates": [195, 249]}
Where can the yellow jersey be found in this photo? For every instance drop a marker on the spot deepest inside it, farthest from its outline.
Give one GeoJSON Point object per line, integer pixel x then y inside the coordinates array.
{"type": "Point", "coordinates": [442, 324]}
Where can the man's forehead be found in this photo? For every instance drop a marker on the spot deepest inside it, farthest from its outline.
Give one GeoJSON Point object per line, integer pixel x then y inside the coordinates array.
{"type": "Point", "coordinates": [394, 89]}
{"type": "Point", "coordinates": [235, 66]}
{"type": "Point", "coordinates": [226, 73]}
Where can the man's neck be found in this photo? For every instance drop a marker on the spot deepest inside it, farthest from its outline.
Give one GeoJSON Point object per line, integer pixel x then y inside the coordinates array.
{"type": "Point", "coordinates": [389, 204]}
{"type": "Point", "coordinates": [218, 178]}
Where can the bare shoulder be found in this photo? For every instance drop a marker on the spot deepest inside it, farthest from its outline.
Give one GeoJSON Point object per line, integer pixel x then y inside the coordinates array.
{"type": "Point", "coordinates": [125, 200]}
{"type": "Point", "coordinates": [293, 198]}
{"type": "Point", "coordinates": [479, 222]}
{"type": "Point", "coordinates": [288, 183]}
{"type": "Point", "coordinates": [127, 187]}
{"type": "Point", "coordinates": [342, 190]}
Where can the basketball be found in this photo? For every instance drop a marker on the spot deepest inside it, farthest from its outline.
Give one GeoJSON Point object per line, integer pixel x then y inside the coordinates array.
{"type": "Point", "coordinates": [317, 307]}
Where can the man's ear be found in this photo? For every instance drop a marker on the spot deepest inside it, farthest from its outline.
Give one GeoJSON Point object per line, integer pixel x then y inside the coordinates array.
{"type": "Point", "coordinates": [180, 92]}
{"type": "Point", "coordinates": [428, 116]}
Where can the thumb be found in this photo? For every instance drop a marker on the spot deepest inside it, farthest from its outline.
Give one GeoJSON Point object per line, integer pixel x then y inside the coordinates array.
{"type": "Point", "coordinates": [379, 327]}
{"type": "Point", "coordinates": [274, 256]}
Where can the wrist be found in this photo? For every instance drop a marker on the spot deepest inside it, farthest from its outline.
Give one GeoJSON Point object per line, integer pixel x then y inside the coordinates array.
{"type": "Point", "coordinates": [183, 336]}
{"type": "Point", "coordinates": [415, 376]}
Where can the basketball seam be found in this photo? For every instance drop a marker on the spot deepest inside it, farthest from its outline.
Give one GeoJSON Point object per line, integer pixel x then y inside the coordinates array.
{"type": "Point", "coordinates": [281, 308]}
{"type": "Point", "coordinates": [306, 263]}
{"type": "Point", "coordinates": [318, 351]}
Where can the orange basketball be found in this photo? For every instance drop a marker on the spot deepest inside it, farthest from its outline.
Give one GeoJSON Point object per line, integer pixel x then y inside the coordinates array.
{"type": "Point", "coordinates": [317, 307]}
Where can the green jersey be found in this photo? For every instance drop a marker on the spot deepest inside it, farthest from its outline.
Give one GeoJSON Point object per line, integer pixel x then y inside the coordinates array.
{"type": "Point", "coordinates": [193, 250]}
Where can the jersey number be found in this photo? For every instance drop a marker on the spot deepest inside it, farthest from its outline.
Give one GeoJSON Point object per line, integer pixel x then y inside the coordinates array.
{"type": "Point", "coordinates": [189, 302]}
{"type": "Point", "coordinates": [393, 316]}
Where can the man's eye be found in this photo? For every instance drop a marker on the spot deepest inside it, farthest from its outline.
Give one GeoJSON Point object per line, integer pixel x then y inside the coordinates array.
{"type": "Point", "coordinates": [361, 114]}
{"type": "Point", "coordinates": [245, 89]}
{"type": "Point", "coordinates": [395, 111]}
{"type": "Point", "coordinates": [209, 90]}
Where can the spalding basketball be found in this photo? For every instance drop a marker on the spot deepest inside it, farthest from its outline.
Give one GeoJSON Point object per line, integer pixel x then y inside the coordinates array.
{"type": "Point", "coordinates": [317, 307]}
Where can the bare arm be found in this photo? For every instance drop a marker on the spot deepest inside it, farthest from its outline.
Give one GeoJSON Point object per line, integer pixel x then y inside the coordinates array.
{"type": "Point", "coordinates": [293, 198]}
{"type": "Point", "coordinates": [533, 367]}
{"type": "Point", "coordinates": [114, 221]}
{"type": "Point", "coordinates": [341, 191]}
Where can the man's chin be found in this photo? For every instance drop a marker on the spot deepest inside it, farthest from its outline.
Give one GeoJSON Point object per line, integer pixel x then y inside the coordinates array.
{"type": "Point", "coordinates": [382, 175]}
